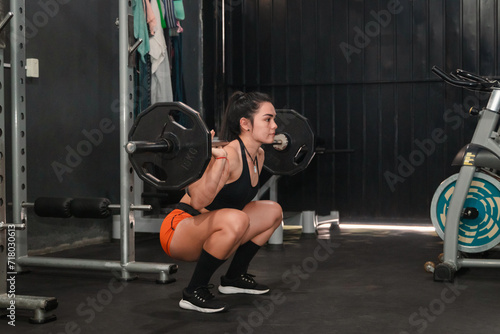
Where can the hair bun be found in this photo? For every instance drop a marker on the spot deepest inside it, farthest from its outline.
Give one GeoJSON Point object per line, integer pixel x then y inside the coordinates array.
{"type": "Point", "coordinates": [239, 95]}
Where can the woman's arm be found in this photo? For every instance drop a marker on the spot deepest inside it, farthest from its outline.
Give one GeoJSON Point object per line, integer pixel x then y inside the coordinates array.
{"type": "Point", "coordinates": [203, 191]}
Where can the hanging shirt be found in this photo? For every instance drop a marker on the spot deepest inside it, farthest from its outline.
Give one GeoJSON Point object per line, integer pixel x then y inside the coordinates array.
{"type": "Point", "coordinates": [161, 83]}
{"type": "Point", "coordinates": [150, 17]}
{"type": "Point", "coordinates": [169, 13]}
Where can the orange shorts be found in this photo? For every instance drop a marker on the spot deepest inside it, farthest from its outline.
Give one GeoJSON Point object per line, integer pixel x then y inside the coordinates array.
{"type": "Point", "coordinates": [171, 221]}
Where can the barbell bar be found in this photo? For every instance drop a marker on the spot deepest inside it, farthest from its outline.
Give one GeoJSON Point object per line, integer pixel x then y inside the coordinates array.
{"type": "Point", "coordinates": [170, 146]}
{"type": "Point", "coordinates": [166, 145]}
{"type": "Point", "coordinates": [280, 142]}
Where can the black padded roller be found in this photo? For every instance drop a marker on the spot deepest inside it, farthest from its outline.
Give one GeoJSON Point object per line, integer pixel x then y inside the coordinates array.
{"type": "Point", "coordinates": [59, 207]}
{"type": "Point", "coordinates": [90, 207]}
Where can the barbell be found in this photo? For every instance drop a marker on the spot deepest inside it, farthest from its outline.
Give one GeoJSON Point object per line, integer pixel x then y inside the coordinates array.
{"type": "Point", "coordinates": [170, 146]}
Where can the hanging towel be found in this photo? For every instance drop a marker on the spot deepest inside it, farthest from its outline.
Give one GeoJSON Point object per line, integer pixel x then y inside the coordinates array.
{"type": "Point", "coordinates": [141, 28]}
{"type": "Point", "coordinates": [179, 10]}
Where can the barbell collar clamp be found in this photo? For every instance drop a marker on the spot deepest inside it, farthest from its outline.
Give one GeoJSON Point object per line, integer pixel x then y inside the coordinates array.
{"type": "Point", "coordinates": [163, 145]}
{"type": "Point", "coordinates": [280, 142]}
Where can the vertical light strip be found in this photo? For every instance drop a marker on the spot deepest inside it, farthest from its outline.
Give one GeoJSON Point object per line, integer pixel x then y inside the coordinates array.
{"type": "Point", "coordinates": [416, 228]}
{"type": "Point", "coordinates": [223, 9]}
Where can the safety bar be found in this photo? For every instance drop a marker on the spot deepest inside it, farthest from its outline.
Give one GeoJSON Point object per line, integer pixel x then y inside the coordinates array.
{"type": "Point", "coordinates": [6, 20]}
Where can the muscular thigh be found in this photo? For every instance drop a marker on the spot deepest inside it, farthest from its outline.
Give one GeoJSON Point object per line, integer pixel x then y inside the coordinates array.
{"type": "Point", "coordinates": [192, 233]}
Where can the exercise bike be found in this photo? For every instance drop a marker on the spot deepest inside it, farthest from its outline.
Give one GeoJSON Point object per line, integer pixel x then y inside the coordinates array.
{"type": "Point", "coordinates": [468, 203]}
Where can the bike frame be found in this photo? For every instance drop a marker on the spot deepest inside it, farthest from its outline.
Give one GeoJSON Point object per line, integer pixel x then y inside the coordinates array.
{"type": "Point", "coordinates": [483, 151]}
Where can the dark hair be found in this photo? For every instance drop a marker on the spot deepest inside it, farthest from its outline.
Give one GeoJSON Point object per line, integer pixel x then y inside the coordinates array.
{"type": "Point", "coordinates": [240, 105]}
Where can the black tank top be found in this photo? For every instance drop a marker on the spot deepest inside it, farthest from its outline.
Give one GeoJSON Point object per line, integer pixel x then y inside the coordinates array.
{"type": "Point", "coordinates": [237, 194]}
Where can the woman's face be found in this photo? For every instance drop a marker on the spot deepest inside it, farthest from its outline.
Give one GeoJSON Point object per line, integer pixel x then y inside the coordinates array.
{"type": "Point", "coordinates": [264, 127]}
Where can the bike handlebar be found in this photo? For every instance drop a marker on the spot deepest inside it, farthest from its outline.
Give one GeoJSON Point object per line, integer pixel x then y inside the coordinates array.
{"type": "Point", "coordinates": [464, 79]}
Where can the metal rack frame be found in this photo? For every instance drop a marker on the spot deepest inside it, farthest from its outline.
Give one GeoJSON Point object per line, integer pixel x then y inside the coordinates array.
{"type": "Point", "coordinates": [127, 264]}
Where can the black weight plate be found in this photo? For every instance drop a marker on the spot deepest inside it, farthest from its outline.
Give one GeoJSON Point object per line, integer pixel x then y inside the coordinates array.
{"type": "Point", "coordinates": [300, 150]}
{"type": "Point", "coordinates": [191, 152]}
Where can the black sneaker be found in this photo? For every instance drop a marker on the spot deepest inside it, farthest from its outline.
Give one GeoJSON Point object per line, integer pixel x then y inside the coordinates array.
{"type": "Point", "coordinates": [243, 284]}
{"type": "Point", "coordinates": [201, 300]}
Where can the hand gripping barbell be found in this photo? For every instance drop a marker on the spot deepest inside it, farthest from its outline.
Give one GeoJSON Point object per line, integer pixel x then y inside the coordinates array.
{"type": "Point", "coordinates": [170, 146]}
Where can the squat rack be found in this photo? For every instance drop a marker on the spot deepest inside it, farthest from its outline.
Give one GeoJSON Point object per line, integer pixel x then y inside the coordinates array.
{"type": "Point", "coordinates": [9, 299]}
{"type": "Point", "coordinates": [127, 264]}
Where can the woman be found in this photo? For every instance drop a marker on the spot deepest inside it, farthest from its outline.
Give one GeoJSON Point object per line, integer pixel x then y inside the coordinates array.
{"type": "Point", "coordinates": [217, 218]}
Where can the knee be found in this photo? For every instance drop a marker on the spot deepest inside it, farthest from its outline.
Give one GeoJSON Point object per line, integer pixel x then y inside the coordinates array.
{"type": "Point", "coordinates": [234, 223]}
{"type": "Point", "coordinates": [274, 215]}
{"type": "Point", "coordinates": [277, 213]}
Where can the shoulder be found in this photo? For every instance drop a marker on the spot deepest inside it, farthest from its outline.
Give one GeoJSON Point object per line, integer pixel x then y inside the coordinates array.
{"type": "Point", "coordinates": [234, 155]}
{"type": "Point", "coordinates": [233, 149]}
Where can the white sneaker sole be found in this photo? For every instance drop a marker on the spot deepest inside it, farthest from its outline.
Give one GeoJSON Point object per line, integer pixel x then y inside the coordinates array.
{"type": "Point", "coordinates": [188, 306]}
{"type": "Point", "coordinates": [229, 290]}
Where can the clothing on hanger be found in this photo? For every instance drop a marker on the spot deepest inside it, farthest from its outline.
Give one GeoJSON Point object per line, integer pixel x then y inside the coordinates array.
{"type": "Point", "coordinates": [161, 83]}
{"type": "Point", "coordinates": [150, 17]}
{"type": "Point", "coordinates": [141, 28]}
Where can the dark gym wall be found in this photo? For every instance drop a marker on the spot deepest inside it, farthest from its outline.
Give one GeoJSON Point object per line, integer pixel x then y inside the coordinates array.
{"type": "Point", "coordinates": [192, 57]}
{"type": "Point", "coordinates": [382, 101]}
{"type": "Point", "coordinates": [360, 71]}
{"type": "Point", "coordinates": [72, 114]}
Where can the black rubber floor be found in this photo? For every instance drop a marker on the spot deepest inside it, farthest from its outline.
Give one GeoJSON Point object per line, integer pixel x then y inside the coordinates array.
{"type": "Point", "coordinates": [340, 281]}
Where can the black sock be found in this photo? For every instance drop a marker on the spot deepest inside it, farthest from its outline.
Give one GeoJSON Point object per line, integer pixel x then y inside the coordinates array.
{"type": "Point", "coordinates": [241, 260]}
{"type": "Point", "coordinates": [205, 268]}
